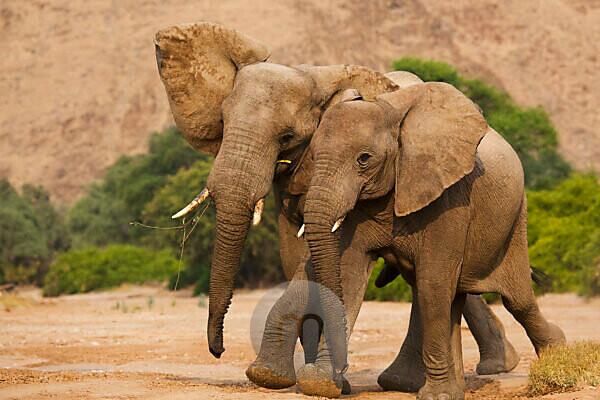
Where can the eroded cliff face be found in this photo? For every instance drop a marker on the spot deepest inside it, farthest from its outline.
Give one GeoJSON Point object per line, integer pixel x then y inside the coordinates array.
{"type": "Point", "coordinates": [79, 82]}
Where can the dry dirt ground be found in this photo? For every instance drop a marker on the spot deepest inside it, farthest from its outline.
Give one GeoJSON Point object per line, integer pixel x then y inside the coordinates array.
{"type": "Point", "coordinates": [146, 343]}
{"type": "Point", "coordinates": [80, 88]}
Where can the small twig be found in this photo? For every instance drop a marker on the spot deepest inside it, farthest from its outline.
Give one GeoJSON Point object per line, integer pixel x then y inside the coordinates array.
{"type": "Point", "coordinates": [184, 239]}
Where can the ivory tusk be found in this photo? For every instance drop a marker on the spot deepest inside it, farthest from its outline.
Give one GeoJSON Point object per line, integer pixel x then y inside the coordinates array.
{"type": "Point", "coordinates": [193, 204]}
{"type": "Point", "coordinates": [337, 224]}
{"type": "Point", "coordinates": [300, 231]}
{"type": "Point", "coordinates": [258, 209]}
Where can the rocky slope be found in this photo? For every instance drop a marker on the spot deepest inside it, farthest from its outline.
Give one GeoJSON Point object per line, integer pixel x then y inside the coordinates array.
{"type": "Point", "coordinates": [79, 82]}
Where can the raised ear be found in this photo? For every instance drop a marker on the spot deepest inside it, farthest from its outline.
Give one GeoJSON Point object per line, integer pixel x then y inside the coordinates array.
{"type": "Point", "coordinates": [198, 64]}
{"type": "Point", "coordinates": [331, 81]}
{"type": "Point", "coordinates": [302, 175]}
{"type": "Point", "coordinates": [440, 129]}
{"type": "Point", "coordinates": [403, 78]}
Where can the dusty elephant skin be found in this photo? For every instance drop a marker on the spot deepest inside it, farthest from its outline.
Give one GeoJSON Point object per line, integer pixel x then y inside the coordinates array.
{"type": "Point", "coordinates": [445, 194]}
{"type": "Point", "coordinates": [229, 102]}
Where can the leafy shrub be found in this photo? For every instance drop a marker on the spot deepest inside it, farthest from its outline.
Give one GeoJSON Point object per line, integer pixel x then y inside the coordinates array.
{"type": "Point", "coordinates": [103, 216]}
{"type": "Point", "coordinates": [91, 268]}
{"type": "Point", "coordinates": [528, 130]}
{"type": "Point", "coordinates": [564, 233]}
{"type": "Point", "coordinates": [260, 259]}
{"type": "Point", "coordinates": [31, 231]}
{"type": "Point", "coordinates": [565, 368]}
{"type": "Point", "coordinates": [398, 290]}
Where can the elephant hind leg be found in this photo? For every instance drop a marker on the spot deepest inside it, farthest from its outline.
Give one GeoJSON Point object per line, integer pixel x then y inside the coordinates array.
{"type": "Point", "coordinates": [496, 353]}
{"type": "Point", "coordinates": [515, 287]}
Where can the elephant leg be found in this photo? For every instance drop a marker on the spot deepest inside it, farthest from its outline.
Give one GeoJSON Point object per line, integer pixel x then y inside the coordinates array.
{"type": "Point", "coordinates": [437, 270]}
{"type": "Point", "coordinates": [407, 371]}
{"type": "Point", "coordinates": [274, 365]}
{"type": "Point", "coordinates": [517, 290]}
{"type": "Point", "coordinates": [317, 379]}
{"type": "Point", "coordinates": [496, 353]}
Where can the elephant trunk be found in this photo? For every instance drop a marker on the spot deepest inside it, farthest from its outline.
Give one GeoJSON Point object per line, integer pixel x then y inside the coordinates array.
{"type": "Point", "coordinates": [320, 214]}
{"type": "Point", "coordinates": [235, 193]}
{"type": "Point", "coordinates": [231, 230]}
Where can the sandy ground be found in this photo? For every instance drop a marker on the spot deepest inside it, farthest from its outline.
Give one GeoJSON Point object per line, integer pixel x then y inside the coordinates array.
{"type": "Point", "coordinates": [144, 342]}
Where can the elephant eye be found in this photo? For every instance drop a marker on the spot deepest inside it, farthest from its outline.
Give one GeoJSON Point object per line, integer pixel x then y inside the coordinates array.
{"type": "Point", "coordinates": [363, 158]}
{"type": "Point", "coordinates": [285, 138]}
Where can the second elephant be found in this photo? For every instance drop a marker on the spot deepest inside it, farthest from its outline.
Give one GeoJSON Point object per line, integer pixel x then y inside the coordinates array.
{"type": "Point", "coordinates": [442, 196]}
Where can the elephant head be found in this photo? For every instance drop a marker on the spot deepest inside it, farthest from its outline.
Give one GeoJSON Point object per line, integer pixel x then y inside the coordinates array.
{"type": "Point", "coordinates": [229, 102]}
{"type": "Point", "coordinates": [414, 142]}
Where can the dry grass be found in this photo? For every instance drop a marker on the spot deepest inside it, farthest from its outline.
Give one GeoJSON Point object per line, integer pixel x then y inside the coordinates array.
{"type": "Point", "coordinates": [565, 368]}
{"type": "Point", "coordinates": [10, 301]}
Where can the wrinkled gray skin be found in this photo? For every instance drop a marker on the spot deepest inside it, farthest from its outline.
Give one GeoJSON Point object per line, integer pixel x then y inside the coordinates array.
{"type": "Point", "coordinates": [442, 197]}
{"type": "Point", "coordinates": [274, 366]}
{"type": "Point", "coordinates": [249, 113]}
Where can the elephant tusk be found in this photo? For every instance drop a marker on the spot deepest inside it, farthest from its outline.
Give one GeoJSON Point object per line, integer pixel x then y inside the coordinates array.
{"type": "Point", "coordinates": [300, 232]}
{"type": "Point", "coordinates": [337, 224]}
{"type": "Point", "coordinates": [258, 209]}
{"type": "Point", "coordinates": [193, 204]}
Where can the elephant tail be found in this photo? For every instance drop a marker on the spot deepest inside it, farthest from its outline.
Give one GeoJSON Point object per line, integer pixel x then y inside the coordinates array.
{"type": "Point", "coordinates": [542, 279]}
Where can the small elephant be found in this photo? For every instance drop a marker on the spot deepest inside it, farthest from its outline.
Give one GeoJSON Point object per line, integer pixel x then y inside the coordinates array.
{"type": "Point", "coordinates": [228, 101]}
{"type": "Point", "coordinates": [442, 195]}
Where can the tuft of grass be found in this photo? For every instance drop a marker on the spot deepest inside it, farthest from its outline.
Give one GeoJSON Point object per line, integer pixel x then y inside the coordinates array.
{"type": "Point", "coordinates": [565, 368]}
{"type": "Point", "coordinates": [10, 301]}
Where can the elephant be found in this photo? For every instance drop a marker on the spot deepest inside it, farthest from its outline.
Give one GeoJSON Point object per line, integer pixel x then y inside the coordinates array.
{"type": "Point", "coordinates": [257, 118]}
{"type": "Point", "coordinates": [441, 195]}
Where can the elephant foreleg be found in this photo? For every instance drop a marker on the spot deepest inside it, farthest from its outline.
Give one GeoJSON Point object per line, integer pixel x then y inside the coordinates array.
{"type": "Point", "coordinates": [496, 353]}
{"type": "Point", "coordinates": [274, 365]}
{"type": "Point", "coordinates": [317, 378]}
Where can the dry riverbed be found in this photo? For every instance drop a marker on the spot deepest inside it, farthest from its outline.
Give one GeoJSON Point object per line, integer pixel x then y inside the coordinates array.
{"type": "Point", "coordinates": [148, 343]}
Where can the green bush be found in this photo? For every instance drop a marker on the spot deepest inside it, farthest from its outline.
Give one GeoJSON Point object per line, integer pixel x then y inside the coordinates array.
{"type": "Point", "coordinates": [103, 215]}
{"type": "Point", "coordinates": [528, 130]}
{"type": "Point", "coordinates": [564, 233]}
{"type": "Point", "coordinates": [31, 231]}
{"type": "Point", "coordinates": [398, 290]}
{"type": "Point", "coordinates": [91, 268]}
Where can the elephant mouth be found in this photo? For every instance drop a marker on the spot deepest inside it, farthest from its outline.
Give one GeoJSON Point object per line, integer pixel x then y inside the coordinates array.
{"type": "Point", "coordinates": [205, 193]}
{"type": "Point", "coordinates": [335, 227]}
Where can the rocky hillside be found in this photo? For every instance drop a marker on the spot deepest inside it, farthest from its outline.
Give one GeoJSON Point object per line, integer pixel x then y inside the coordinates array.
{"type": "Point", "coordinates": [79, 82]}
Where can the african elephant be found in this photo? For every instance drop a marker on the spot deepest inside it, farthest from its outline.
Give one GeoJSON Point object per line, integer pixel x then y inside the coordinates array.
{"type": "Point", "coordinates": [229, 102]}
{"type": "Point", "coordinates": [442, 196]}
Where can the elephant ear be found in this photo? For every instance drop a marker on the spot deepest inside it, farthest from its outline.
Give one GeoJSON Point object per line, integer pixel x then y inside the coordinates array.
{"type": "Point", "coordinates": [440, 129]}
{"type": "Point", "coordinates": [403, 78]}
{"type": "Point", "coordinates": [197, 64]}
{"type": "Point", "coordinates": [331, 81]}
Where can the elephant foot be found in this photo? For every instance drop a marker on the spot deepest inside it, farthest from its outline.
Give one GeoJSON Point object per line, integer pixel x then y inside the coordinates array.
{"type": "Point", "coordinates": [265, 375]}
{"type": "Point", "coordinates": [406, 374]}
{"type": "Point", "coordinates": [498, 361]}
{"type": "Point", "coordinates": [317, 380]}
{"type": "Point", "coordinates": [554, 337]}
{"type": "Point", "coordinates": [440, 391]}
